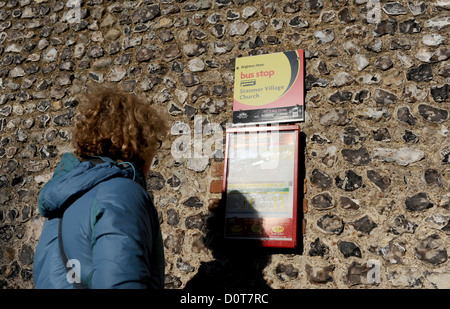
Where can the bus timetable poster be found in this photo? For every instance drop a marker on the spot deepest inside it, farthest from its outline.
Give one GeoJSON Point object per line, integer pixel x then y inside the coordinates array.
{"type": "Point", "coordinates": [260, 184]}
{"type": "Point", "coordinates": [269, 88]}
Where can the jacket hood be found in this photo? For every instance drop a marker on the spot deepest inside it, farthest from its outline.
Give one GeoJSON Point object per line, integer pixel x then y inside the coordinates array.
{"type": "Point", "coordinates": [71, 179]}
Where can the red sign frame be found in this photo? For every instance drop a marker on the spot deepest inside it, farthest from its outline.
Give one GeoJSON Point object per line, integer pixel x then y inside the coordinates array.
{"type": "Point", "coordinates": [280, 232]}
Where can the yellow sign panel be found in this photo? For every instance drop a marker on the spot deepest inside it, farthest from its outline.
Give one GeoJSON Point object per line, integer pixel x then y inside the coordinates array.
{"type": "Point", "coordinates": [261, 83]}
{"type": "Point", "coordinates": [269, 88]}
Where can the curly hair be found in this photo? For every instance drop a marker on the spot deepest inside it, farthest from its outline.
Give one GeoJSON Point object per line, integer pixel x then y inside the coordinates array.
{"type": "Point", "coordinates": [119, 125]}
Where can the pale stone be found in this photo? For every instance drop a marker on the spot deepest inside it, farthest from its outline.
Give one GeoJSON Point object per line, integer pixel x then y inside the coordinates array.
{"type": "Point", "coordinates": [350, 47]}
{"type": "Point", "coordinates": [334, 117]}
{"type": "Point", "coordinates": [35, 226]}
{"type": "Point", "coordinates": [424, 55]}
{"type": "Point", "coordinates": [405, 60]}
{"type": "Point", "coordinates": [406, 277]}
{"type": "Point", "coordinates": [342, 79]}
{"type": "Point", "coordinates": [439, 222]}
{"type": "Point", "coordinates": [102, 63]}
{"type": "Point", "coordinates": [79, 51]}
{"type": "Point", "coordinates": [433, 39]}
{"type": "Point", "coordinates": [259, 25]}
{"type": "Point", "coordinates": [412, 93]}
{"type": "Point", "coordinates": [361, 62]}
{"type": "Point", "coordinates": [238, 28]}
{"type": "Point", "coordinates": [41, 179]}
{"type": "Point", "coordinates": [402, 156]}
{"type": "Point", "coordinates": [444, 4]}
{"type": "Point", "coordinates": [248, 12]}
{"type": "Point", "coordinates": [324, 36]}
{"type": "Point", "coordinates": [17, 72]}
{"type": "Point", "coordinates": [13, 48]}
{"type": "Point", "coordinates": [181, 95]}
{"type": "Point", "coordinates": [439, 280]}
{"type": "Point", "coordinates": [196, 65]}
{"type": "Point", "coordinates": [370, 78]}
{"type": "Point", "coordinates": [35, 166]}
{"type": "Point", "coordinates": [198, 162]}
{"type": "Point", "coordinates": [112, 34]}
{"type": "Point", "coordinates": [34, 57]}
{"type": "Point", "coordinates": [438, 23]}
{"type": "Point", "coordinates": [51, 55]}
{"type": "Point", "coordinates": [116, 74]}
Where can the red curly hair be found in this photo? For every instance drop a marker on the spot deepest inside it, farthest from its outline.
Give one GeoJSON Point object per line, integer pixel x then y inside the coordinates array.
{"type": "Point", "coordinates": [119, 125]}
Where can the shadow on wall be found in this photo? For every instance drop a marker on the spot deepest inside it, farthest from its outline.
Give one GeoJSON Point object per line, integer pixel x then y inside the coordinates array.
{"type": "Point", "coordinates": [238, 264]}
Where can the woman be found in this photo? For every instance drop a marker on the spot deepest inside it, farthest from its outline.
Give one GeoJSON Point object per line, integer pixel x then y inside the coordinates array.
{"type": "Point", "coordinates": [103, 229]}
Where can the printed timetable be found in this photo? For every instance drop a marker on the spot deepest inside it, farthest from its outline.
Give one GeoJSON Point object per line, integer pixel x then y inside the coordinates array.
{"type": "Point", "coordinates": [260, 183]}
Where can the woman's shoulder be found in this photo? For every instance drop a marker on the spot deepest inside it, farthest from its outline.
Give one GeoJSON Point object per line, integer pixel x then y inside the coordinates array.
{"type": "Point", "coordinates": [121, 199]}
{"type": "Point", "coordinates": [122, 191]}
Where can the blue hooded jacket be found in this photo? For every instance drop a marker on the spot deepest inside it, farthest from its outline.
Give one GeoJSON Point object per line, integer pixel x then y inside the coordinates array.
{"type": "Point", "coordinates": [110, 227]}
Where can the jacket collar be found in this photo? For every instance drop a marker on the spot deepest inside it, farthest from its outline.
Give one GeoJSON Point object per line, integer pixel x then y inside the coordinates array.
{"type": "Point", "coordinates": [72, 178]}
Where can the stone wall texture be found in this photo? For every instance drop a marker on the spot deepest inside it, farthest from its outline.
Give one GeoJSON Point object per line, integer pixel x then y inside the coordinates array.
{"type": "Point", "coordinates": [376, 133]}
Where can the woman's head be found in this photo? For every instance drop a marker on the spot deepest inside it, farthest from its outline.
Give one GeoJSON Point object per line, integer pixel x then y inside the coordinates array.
{"type": "Point", "coordinates": [119, 125]}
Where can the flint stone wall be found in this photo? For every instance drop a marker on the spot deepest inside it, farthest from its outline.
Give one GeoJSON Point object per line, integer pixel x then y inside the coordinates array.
{"type": "Point", "coordinates": [376, 134]}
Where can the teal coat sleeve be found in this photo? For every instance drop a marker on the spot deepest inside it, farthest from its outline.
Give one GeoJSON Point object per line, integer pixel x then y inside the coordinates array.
{"type": "Point", "coordinates": [124, 227]}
